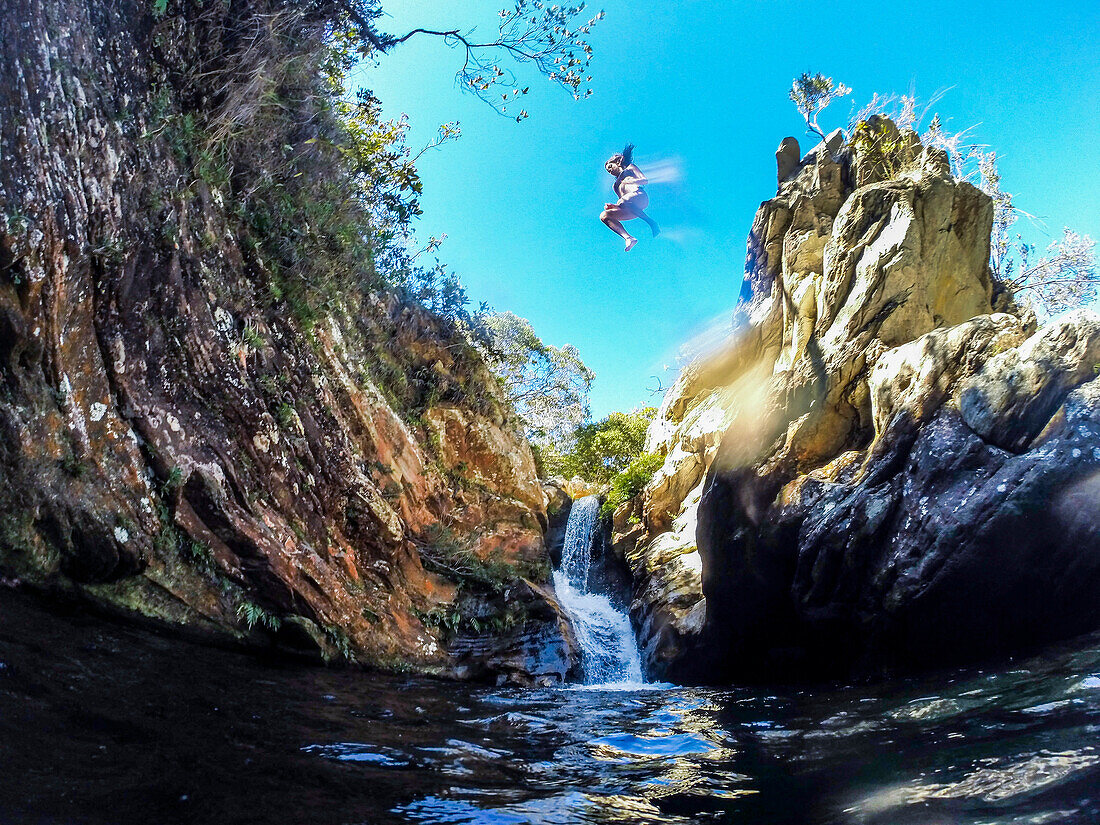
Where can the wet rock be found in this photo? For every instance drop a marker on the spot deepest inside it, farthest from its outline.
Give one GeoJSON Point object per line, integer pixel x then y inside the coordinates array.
{"type": "Point", "coordinates": [558, 507]}
{"type": "Point", "coordinates": [540, 651]}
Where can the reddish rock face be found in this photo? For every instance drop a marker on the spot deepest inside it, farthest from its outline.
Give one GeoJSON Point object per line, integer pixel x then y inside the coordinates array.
{"type": "Point", "coordinates": [174, 445]}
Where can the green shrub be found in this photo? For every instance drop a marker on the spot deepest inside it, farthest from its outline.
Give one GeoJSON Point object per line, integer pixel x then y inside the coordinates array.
{"type": "Point", "coordinates": [602, 449]}
{"type": "Point", "coordinates": [340, 640]}
{"type": "Point", "coordinates": [631, 481]}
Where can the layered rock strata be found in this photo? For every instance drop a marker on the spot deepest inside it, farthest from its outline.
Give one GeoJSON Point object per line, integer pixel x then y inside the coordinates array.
{"type": "Point", "coordinates": [175, 445]}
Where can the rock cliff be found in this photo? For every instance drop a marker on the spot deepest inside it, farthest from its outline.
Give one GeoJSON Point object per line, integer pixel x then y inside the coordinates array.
{"type": "Point", "coordinates": [888, 465]}
{"type": "Point", "coordinates": [176, 442]}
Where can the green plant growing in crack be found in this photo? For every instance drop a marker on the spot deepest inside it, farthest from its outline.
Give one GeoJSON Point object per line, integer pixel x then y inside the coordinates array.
{"type": "Point", "coordinates": [251, 336]}
{"type": "Point", "coordinates": [340, 640]}
{"type": "Point", "coordinates": [287, 416]}
{"type": "Point", "coordinates": [254, 615]}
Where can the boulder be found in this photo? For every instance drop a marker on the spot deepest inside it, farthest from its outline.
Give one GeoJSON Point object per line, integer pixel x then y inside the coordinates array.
{"type": "Point", "coordinates": [787, 158]}
{"type": "Point", "coordinates": [577, 488]}
{"type": "Point", "coordinates": [540, 650]}
{"type": "Point", "coordinates": [917, 377]}
{"type": "Point", "coordinates": [1014, 395]}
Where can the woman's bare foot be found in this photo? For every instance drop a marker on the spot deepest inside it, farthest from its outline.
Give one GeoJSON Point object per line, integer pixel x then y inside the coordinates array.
{"type": "Point", "coordinates": [630, 243]}
{"type": "Point", "coordinates": [655, 229]}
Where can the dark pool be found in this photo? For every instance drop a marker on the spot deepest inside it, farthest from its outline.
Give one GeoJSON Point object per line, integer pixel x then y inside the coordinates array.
{"type": "Point", "coordinates": [103, 723]}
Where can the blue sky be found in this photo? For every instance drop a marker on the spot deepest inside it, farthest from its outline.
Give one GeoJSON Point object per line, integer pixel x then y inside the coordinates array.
{"type": "Point", "coordinates": [704, 84]}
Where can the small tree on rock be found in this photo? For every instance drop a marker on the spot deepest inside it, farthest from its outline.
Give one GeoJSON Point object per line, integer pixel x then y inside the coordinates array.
{"type": "Point", "coordinates": [811, 93]}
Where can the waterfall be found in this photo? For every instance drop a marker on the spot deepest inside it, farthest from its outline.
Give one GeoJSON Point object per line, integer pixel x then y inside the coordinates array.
{"type": "Point", "coordinates": [609, 651]}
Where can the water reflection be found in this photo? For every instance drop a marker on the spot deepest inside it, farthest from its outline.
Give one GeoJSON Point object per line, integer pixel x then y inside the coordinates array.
{"type": "Point", "coordinates": [106, 724]}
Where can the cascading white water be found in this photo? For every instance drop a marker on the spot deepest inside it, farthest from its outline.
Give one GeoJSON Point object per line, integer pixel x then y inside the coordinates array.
{"type": "Point", "coordinates": [609, 651]}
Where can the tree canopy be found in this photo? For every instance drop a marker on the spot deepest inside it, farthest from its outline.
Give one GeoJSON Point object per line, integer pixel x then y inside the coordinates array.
{"type": "Point", "coordinates": [547, 386]}
{"type": "Point", "coordinates": [601, 450]}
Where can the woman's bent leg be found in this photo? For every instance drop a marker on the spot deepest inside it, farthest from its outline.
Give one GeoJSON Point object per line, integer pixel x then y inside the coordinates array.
{"type": "Point", "coordinates": [635, 205]}
{"type": "Point", "coordinates": [613, 217]}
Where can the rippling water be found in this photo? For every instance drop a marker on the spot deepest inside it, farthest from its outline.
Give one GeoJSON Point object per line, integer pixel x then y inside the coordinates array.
{"type": "Point", "coordinates": [103, 723]}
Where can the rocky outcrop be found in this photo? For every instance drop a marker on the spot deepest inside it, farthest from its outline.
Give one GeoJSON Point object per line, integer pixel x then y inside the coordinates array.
{"type": "Point", "coordinates": [176, 443]}
{"type": "Point", "coordinates": [886, 471]}
{"type": "Point", "coordinates": [558, 507]}
{"type": "Point", "coordinates": [540, 649]}
{"type": "Point", "coordinates": [666, 609]}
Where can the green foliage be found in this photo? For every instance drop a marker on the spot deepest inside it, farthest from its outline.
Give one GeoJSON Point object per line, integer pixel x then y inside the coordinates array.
{"type": "Point", "coordinates": [321, 188]}
{"type": "Point", "coordinates": [173, 481]}
{"type": "Point", "coordinates": [443, 552]}
{"type": "Point", "coordinates": [631, 481]}
{"type": "Point", "coordinates": [200, 556]}
{"type": "Point", "coordinates": [603, 449]}
{"type": "Point", "coordinates": [551, 461]}
{"type": "Point", "coordinates": [811, 94]}
{"type": "Point", "coordinates": [881, 145]}
{"type": "Point", "coordinates": [113, 250]}
{"type": "Point", "coordinates": [340, 640]}
{"type": "Point", "coordinates": [251, 336]}
{"type": "Point", "coordinates": [455, 619]}
{"type": "Point", "coordinates": [171, 539]}
{"type": "Point", "coordinates": [286, 416]}
{"type": "Point", "coordinates": [74, 466]}
{"type": "Point", "coordinates": [254, 615]}
{"type": "Point", "coordinates": [548, 387]}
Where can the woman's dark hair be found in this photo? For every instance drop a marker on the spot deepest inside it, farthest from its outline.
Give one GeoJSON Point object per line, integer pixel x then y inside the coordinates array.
{"type": "Point", "coordinates": [623, 158]}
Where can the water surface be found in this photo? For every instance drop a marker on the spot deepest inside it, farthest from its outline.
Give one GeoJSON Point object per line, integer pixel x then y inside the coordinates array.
{"type": "Point", "coordinates": [105, 723]}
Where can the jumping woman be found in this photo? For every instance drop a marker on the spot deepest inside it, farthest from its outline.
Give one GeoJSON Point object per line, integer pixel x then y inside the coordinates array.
{"type": "Point", "coordinates": [628, 186]}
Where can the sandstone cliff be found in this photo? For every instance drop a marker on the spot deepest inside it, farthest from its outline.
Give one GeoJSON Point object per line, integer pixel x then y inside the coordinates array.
{"type": "Point", "coordinates": [888, 465]}
{"type": "Point", "coordinates": [177, 443]}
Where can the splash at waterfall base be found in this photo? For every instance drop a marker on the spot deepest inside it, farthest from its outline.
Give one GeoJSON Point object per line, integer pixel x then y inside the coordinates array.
{"type": "Point", "coordinates": [605, 640]}
{"type": "Point", "coordinates": [889, 467]}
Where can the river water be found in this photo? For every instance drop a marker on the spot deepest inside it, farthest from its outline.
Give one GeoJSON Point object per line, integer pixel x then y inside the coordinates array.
{"type": "Point", "coordinates": [106, 723]}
